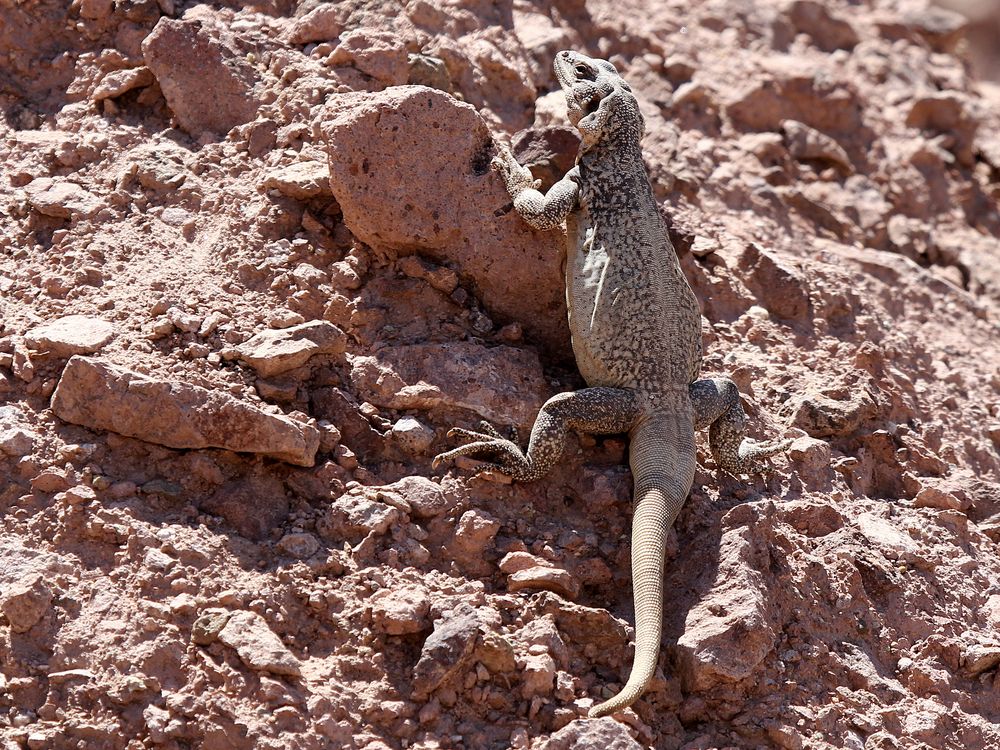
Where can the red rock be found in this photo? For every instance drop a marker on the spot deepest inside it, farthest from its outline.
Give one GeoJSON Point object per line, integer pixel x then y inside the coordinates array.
{"type": "Point", "coordinates": [207, 83]}
{"type": "Point", "coordinates": [273, 351]}
{"type": "Point", "coordinates": [398, 159]}
{"type": "Point", "coordinates": [403, 610]}
{"type": "Point", "coordinates": [102, 396]}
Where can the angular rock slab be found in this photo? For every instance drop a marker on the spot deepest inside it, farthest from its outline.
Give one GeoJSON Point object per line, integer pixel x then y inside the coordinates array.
{"type": "Point", "coordinates": [409, 167]}
{"type": "Point", "coordinates": [275, 351]}
{"type": "Point", "coordinates": [72, 334]}
{"type": "Point", "coordinates": [102, 396]}
{"type": "Point", "coordinates": [208, 85]}
{"type": "Point", "coordinates": [257, 645]}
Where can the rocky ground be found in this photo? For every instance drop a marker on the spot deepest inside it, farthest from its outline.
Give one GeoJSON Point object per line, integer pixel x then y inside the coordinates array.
{"type": "Point", "coordinates": [253, 266]}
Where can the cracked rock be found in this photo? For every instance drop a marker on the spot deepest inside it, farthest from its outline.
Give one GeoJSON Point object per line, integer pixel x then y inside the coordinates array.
{"type": "Point", "coordinates": [101, 396]}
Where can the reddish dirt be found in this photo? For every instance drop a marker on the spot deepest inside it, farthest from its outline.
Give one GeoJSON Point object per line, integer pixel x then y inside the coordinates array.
{"type": "Point", "coordinates": [220, 524]}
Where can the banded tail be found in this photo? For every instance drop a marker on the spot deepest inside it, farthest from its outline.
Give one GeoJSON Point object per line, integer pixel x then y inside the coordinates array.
{"type": "Point", "coordinates": [663, 462]}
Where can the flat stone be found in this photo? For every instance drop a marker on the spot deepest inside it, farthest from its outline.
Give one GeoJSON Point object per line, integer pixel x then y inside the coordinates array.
{"type": "Point", "coordinates": [544, 578]}
{"type": "Point", "coordinates": [72, 334]}
{"type": "Point", "coordinates": [278, 350]}
{"type": "Point", "coordinates": [119, 82]}
{"type": "Point", "coordinates": [61, 199]}
{"type": "Point", "coordinates": [257, 645]}
{"type": "Point", "coordinates": [101, 396]}
{"type": "Point", "coordinates": [302, 180]}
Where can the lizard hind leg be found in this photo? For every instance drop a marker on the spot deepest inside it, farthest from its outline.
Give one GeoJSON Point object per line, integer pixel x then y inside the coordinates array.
{"type": "Point", "coordinates": [717, 406]}
{"type": "Point", "coordinates": [596, 410]}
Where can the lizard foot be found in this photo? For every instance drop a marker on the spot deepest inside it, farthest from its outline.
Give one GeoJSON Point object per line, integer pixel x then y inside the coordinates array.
{"type": "Point", "coordinates": [508, 458]}
{"type": "Point", "coordinates": [515, 177]}
{"type": "Point", "coordinates": [751, 457]}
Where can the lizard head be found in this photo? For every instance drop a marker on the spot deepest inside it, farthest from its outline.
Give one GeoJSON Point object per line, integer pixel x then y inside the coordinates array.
{"type": "Point", "coordinates": [600, 103]}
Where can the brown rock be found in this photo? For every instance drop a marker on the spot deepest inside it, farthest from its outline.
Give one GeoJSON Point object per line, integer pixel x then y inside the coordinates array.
{"type": "Point", "coordinates": [544, 578]}
{"type": "Point", "coordinates": [780, 288]}
{"type": "Point", "coordinates": [322, 24]}
{"type": "Point", "coordinates": [301, 545]}
{"type": "Point", "coordinates": [102, 396]}
{"type": "Point", "coordinates": [208, 85]}
{"type": "Point", "coordinates": [356, 515]}
{"type": "Point", "coordinates": [379, 54]}
{"type": "Point", "coordinates": [73, 334]}
{"type": "Point", "coordinates": [538, 675]}
{"type": "Point", "coordinates": [25, 602]}
{"type": "Point", "coordinates": [399, 611]}
{"type": "Point", "coordinates": [729, 632]}
{"type": "Point", "coordinates": [257, 645]}
{"type": "Point", "coordinates": [275, 351]}
{"type": "Point", "coordinates": [935, 497]}
{"type": "Point", "coordinates": [447, 650]}
{"type": "Point", "coordinates": [806, 143]}
{"type": "Point", "coordinates": [425, 497]}
{"type": "Point", "coordinates": [474, 533]}
{"type": "Point", "coordinates": [828, 31]}
{"type": "Point", "coordinates": [254, 505]}
{"type": "Point", "coordinates": [398, 161]}
{"type": "Point", "coordinates": [501, 384]}
{"type": "Point", "coordinates": [584, 734]}
{"type": "Point", "coordinates": [549, 152]}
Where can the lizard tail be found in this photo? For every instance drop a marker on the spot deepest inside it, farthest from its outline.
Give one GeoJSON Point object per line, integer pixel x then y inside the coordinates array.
{"type": "Point", "coordinates": [662, 453]}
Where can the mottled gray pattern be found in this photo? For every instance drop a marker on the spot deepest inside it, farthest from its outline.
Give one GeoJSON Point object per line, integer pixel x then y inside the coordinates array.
{"type": "Point", "coordinates": [636, 330]}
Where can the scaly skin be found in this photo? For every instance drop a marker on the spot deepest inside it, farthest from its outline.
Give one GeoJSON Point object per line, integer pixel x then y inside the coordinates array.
{"type": "Point", "coordinates": [636, 330]}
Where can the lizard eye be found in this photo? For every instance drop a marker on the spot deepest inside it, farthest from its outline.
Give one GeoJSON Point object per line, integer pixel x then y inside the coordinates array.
{"type": "Point", "coordinates": [584, 72]}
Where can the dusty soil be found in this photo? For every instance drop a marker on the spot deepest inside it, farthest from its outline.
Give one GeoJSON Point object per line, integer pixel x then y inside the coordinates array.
{"type": "Point", "coordinates": [293, 271]}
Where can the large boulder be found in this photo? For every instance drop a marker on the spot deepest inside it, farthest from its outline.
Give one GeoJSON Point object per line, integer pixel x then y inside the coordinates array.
{"type": "Point", "coordinates": [410, 168]}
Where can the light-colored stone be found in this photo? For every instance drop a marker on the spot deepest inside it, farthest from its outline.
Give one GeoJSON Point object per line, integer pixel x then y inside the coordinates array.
{"type": "Point", "coordinates": [399, 611]}
{"type": "Point", "coordinates": [302, 180]}
{"type": "Point", "coordinates": [69, 335]}
{"type": "Point", "coordinates": [412, 435]}
{"type": "Point", "coordinates": [101, 396]}
{"type": "Point", "coordinates": [585, 734]}
{"type": "Point", "coordinates": [61, 199]}
{"type": "Point", "coordinates": [257, 645]}
{"type": "Point", "coordinates": [119, 82]}
{"type": "Point", "coordinates": [935, 497]}
{"type": "Point", "coordinates": [544, 578]}
{"type": "Point", "coordinates": [301, 545]}
{"type": "Point", "coordinates": [278, 350]}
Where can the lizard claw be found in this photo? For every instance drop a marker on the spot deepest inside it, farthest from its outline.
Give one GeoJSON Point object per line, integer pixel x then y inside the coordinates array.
{"type": "Point", "coordinates": [507, 457]}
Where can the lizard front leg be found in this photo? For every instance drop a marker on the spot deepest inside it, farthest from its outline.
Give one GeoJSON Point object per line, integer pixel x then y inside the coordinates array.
{"type": "Point", "coordinates": [717, 406]}
{"type": "Point", "coordinates": [594, 410]}
{"type": "Point", "coordinates": [540, 211]}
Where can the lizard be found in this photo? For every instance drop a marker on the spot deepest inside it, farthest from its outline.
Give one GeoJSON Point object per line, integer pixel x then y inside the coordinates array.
{"type": "Point", "coordinates": [635, 328]}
